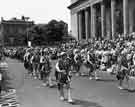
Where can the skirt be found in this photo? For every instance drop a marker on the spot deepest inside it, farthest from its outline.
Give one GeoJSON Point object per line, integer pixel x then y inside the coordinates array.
{"type": "Point", "coordinates": [62, 77]}
{"type": "Point", "coordinates": [121, 75]}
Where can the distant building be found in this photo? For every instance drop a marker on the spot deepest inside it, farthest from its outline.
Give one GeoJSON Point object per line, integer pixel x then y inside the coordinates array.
{"type": "Point", "coordinates": [102, 18]}
{"type": "Point", "coordinates": [10, 29]}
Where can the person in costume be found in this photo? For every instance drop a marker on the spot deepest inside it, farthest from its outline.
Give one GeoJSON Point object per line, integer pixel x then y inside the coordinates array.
{"type": "Point", "coordinates": [123, 70]}
{"type": "Point", "coordinates": [63, 76]}
{"type": "Point", "coordinates": [91, 61]}
{"type": "Point", "coordinates": [45, 69]}
{"type": "Point", "coordinates": [35, 60]}
{"type": "Point", "coordinates": [77, 62]}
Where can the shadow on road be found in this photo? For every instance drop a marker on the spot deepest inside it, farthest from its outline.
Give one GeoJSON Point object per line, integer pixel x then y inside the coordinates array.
{"type": "Point", "coordinates": [130, 90]}
{"type": "Point", "coordinates": [83, 103]}
{"type": "Point", "coordinates": [106, 80]}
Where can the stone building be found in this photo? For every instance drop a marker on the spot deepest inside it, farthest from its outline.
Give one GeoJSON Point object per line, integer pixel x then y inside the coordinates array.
{"type": "Point", "coordinates": [102, 18]}
{"type": "Point", "coordinates": [12, 29]}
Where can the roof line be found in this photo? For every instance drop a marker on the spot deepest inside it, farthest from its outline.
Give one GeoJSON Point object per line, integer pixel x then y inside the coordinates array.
{"type": "Point", "coordinates": [76, 3]}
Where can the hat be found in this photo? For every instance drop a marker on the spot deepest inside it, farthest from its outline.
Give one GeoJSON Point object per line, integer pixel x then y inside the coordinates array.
{"type": "Point", "coordinates": [62, 53]}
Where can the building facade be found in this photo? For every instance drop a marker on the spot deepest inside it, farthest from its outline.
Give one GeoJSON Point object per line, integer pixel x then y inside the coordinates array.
{"type": "Point", "coordinates": [12, 30]}
{"type": "Point", "coordinates": [101, 19]}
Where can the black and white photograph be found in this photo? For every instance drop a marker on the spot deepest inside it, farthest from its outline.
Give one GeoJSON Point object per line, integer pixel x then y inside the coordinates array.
{"type": "Point", "coordinates": [67, 53]}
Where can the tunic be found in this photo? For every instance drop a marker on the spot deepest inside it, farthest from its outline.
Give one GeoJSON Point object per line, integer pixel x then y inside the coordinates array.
{"type": "Point", "coordinates": [63, 76]}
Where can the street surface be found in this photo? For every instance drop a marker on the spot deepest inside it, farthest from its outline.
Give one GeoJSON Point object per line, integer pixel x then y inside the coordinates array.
{"type": "Point", "coordinates": [85, 92]}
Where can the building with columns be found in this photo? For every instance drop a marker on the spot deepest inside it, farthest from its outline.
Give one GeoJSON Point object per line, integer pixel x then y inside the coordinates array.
{"type": "Point", "coordinates": [101, 19]}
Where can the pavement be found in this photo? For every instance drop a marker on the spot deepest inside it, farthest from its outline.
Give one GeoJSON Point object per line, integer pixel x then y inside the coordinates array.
{"type": "Point", "coordinates": [85, 92]}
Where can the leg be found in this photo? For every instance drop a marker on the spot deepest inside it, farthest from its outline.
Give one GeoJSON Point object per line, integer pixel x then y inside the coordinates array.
{"type": "Point", "coordinates": [50, 79]}
{"type": "Point", "coordinates": [77, 70]}
{"type": "Point", "coordinates": [90, 72]}
{"type": "Point", "coordinates": [120, 83]}
{"type": "Point", "coordinates": [69, 93]}
{"type": "Point", "coordinates": [38, 71]}
{"type": "Point", "coordinates": [45, 82]}
{"type": "Point", "coordinates": [127, 80]}
{"type": "Point", "coordinates": [34, 71]}
{"type": "Point", "coordinates": [95, 74]}
{"type": "Point", "coordinates": [61, 91]}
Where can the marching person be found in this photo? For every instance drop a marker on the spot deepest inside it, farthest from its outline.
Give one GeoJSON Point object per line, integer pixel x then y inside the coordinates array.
{"type": "Point", "coordinates": [63, 76]}
{"type": "Point", "coordinates": [91, 62]}
{"type": "Point", "coordinates": [45, 69]}
{"type": "Point", "coordinates": [78, 61]}
{"type": "Point", "coordinates": [123, 70]}
{"type": "Point", "coordinates": [35, 60]}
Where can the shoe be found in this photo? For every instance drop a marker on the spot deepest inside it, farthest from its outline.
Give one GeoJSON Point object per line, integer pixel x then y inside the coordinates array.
{"type": "Point", "coordinates": [97, 78]}
{"type": "Point", "coordinates": [70, 101]}
{"type": "Point", "coordinates": [45, 84]}
{"type": "Point", "coordinates": [62, 98]}
{"type": "Point", "coordinates": [35, 78]}
{"type": "Point", "coordinates": [90, 78]}
{"type": "Point", "coordinates": [121, 88]}
{"type": "Point", "coordinates": [51, 85]}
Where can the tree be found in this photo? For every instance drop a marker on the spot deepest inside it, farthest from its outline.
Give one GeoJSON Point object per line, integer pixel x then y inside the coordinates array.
{"type": "Point", "coordinates": [47, 33]}
{"type": "Point", "coordinates": [56, 30]}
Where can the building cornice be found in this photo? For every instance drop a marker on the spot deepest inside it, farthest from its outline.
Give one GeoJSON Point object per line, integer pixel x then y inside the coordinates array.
{"type": "Point", "coordinates": [76, 4]}
{"type": "Point", "coordinates": [79, 2]}
{"type": "Point", "coordinates": [17, 22]}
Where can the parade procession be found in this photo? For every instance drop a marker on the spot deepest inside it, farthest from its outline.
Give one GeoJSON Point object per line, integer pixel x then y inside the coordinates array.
{"type": "Point", "coordinates": [67, 53]}
{"type": "Point", "coordinates": [115, 57]}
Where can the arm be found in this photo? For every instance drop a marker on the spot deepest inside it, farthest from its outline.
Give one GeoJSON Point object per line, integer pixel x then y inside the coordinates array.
{"type": "Point", "coordinates": [75, 58]}
{"type": "Point", "coordinates": [57, 67]}
{"type": "Point", "coordinates": [24, 57]}
{"type": "Point", "coordinates": [31, 59]}
{"type": "Point", "coordinates": [88, 58]}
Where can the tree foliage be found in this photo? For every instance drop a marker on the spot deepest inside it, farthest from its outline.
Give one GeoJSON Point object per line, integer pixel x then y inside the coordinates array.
{"type": "Point", "coordinates": [47, 33]}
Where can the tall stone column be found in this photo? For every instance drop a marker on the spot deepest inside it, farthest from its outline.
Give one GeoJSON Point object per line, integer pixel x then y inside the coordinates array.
{"type": "Point", "coordinates": [113, 7]}
{"type": "Point", "coordinates": [87, 24]}
{"type": "Point", "coordinates": [131, 21]}
{"type": "Point", "coordinates": [103, 18]}
{"type": "Point", "coordinates": [108, 22]}
{"type": "Point", "coordinates": [126, 17]}
{"type": "Point", "coordinates": [79, 25]}
{"type": "Point", "coordinates": [93, 21]}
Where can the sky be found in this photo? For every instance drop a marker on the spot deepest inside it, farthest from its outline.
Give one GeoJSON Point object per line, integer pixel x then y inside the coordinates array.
{"type": "Point", "coordinates": [41, 11]}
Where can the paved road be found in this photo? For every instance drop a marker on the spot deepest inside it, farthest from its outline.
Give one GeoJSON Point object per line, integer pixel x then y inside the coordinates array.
{"type": "Point", "coordinates": [86, 93]}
